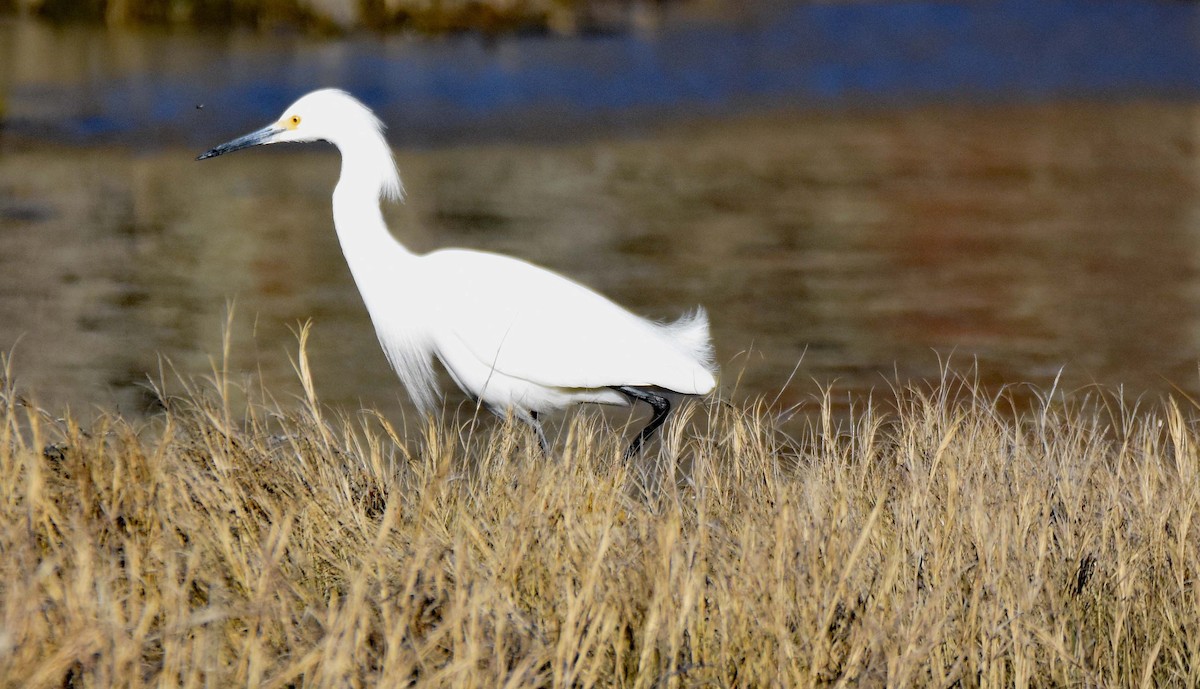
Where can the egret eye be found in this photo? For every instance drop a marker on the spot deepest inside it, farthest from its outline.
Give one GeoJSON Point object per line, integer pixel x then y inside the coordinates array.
{"type": "Point", "coordinates": [293, 122]}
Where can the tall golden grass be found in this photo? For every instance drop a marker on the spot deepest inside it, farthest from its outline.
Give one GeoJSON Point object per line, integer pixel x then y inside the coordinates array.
{"type": "Point", "coordinates": [941, 540]}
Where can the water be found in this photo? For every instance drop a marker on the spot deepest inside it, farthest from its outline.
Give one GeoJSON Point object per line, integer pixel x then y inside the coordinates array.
{"type": "Point", "coordinates": [860, 215]}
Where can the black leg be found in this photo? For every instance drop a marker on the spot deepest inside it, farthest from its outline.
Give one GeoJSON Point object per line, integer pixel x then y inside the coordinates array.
{"type": "Point", "coordinates": [662, 408]}
{"type": "Point", "coordinates": [529, 418]}
{"type": "Point", "coordinates": [536, 425]}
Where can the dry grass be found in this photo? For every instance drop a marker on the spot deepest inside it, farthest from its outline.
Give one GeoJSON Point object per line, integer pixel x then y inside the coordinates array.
{"type": "Point", "coordinates": [942, 543]}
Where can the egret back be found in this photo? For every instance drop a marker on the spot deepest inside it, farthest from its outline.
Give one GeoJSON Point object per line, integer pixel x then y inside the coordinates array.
{"type": "Point", "coordinates": [530, 323]}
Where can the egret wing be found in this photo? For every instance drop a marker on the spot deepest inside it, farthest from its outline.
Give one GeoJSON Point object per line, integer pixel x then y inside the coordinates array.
{"type": "Point", "coordinates": [534, 324]}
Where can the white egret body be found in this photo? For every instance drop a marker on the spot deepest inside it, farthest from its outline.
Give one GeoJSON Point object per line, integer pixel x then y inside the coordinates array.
{"type": "Point", "coordinates": [511, 334]}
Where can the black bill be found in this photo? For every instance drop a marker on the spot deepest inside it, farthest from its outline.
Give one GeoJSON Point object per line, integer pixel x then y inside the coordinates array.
{"type": "Point", "coordinates": [261, 136]}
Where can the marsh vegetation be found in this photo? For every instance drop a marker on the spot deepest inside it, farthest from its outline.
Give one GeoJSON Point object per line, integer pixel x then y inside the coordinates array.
{"type": "Point", "coordinates": [932, 536]}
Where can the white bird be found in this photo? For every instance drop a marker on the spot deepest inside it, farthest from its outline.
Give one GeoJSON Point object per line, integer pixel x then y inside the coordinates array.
{"type": "Point", "coordinates": [514, 336]}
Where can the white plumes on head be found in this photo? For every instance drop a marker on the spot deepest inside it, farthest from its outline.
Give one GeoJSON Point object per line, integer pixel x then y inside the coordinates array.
{"type": "Point", "coordinates": [353, 128]}
{"type": "Point", "coordinates": [391, 187]}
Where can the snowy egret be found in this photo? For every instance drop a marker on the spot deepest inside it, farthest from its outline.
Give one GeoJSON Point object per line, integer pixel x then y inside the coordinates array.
{"type": "Point", "coordinates": [514, 336]}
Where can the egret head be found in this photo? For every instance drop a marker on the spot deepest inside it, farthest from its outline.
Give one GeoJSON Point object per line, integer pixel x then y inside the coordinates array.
{"type": "Point", "coordinates": [327, 115]}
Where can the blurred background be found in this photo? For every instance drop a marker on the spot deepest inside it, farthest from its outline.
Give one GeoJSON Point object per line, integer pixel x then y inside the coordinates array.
{"type": "Point", "coordinates": [857, 191]}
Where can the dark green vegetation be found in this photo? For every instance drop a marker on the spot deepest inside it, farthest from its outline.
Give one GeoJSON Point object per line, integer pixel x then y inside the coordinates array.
{"type": "Point", "coordinates": [331, 16]}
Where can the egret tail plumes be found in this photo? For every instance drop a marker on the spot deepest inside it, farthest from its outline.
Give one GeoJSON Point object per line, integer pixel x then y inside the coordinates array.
{"type": "Point", "coordinates": [514, 336]}
{"type": "Point", "coordinates": [691, 334]}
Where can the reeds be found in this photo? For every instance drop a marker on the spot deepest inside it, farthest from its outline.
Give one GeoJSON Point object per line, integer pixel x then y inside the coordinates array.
{"type": "Point", "coordinates": [942, 539]}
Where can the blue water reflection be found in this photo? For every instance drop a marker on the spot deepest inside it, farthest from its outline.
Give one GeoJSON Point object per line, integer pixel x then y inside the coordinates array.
{"type": "Point", "coordinates": [147, 86]}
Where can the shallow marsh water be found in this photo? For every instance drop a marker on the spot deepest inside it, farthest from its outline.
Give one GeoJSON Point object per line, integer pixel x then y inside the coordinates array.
{"type": "Point", "coordinates": [857, 245]}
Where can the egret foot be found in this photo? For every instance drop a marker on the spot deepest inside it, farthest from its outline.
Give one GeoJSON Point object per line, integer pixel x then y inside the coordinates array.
{"type": "Point", "coordinates": [662, 408]}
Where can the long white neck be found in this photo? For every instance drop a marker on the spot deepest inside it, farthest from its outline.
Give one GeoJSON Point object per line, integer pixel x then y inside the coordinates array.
{"type": "Point", "coordinates": [368, 174]}
{"type": "Point", "coordinates": [387, 274]}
